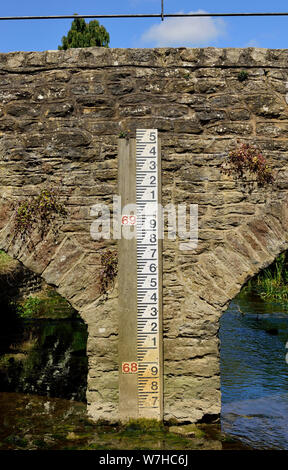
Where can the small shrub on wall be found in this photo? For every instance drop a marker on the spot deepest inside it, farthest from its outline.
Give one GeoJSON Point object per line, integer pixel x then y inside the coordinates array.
{"type": "Point", "coordinates": [247, 159]}
{"type": "Point", "coordinates": [38, 211]}
{"type": "Point", "coordinates": [109, 262]}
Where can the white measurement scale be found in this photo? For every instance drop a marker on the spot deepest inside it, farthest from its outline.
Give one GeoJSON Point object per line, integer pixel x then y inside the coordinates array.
{"type": "Point", "coordinates": [148, 276]}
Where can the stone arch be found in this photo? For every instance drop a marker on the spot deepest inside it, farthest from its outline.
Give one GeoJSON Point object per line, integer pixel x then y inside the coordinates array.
{"type": "Point", "coordinates": [210, 284]}
{"type": "Point", "coordinates": [191, 351]}
{"type": "Point", "coordinates": [72, 268]}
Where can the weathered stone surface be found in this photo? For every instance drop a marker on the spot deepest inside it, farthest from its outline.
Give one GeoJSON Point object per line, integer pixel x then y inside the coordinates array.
{"type": "Point", "coordinates": [61, 113]}
{"type": "Point", "coordinates": [266, 104]}
{"type": "Point", "coordinates": [66, 257]}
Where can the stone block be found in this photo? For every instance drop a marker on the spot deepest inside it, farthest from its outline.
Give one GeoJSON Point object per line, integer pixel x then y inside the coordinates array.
{"type": "Point", "coordinates": [66, 257]}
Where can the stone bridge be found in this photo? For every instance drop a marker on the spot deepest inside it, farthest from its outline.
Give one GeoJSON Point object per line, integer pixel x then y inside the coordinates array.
{"type": "Point", "coordinates": [61, 114]}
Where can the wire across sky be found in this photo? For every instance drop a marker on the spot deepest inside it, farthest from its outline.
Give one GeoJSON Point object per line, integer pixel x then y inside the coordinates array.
{"type": "Point", "coordinates": [161, 15]}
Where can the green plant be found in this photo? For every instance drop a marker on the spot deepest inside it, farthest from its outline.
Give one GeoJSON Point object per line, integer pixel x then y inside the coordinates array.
{"type": "Point", "coordinates": [247, 158]}
{"type": "Point", "coordinates": [109, 262]}
{"type": "Point", "coordinates": [125, 134]}
{"type": "Point", "coordinates": [7, 264]}
{"type": "Point", "coordinates": [30, 308]}
{"type": "Point", "coordinates": [122, 135]}
{"type": "Point", "coordinates": [242, 76]}
{"type": "Point", "coordinates": [271, 283]}
{"type": "Point", "coordinates": [41, 210]}
{"type": "Point", "coordinates": [82, 34]}
{"type": "Point", "coordinates": [48, 304]}
{"type": "Point", "coordinates": [144, 425]}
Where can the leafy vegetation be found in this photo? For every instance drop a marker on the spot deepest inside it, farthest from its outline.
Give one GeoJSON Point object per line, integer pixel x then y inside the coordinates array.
{"type": "Point", "coordinates": [7, 264]}
{"type": "Point", "coordinates": [123, 135]}
{"type": "Point", "coordinates": [247, 159]}
{"type": "Point", "coordinates": [82, 34]}
{"type": "Point", "coordinates": [272, 282]}
{"type": "Point", "coordinates": [48, 304]}
{"type": "Point", "coordinates": [41, 210]}
{"type": "Point", "coordinates": [144, 425]}
{"type": "Point", "coordinates": [242, 76]}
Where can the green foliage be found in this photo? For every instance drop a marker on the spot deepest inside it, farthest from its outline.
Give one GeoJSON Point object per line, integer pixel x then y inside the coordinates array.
{"type": "Point", "coordinates": [18, 440]}
{"type": "Point", "coordinates": [6, 360]}
{"type": "Point", "coordinates": [242, 76]}
{"type": "Point", "coordinates": [272, 282]}
{"type": "Point", "coordinates": [109, 269]}
{"type": "Point", "coordinates": [30, 307]}
{"type": "Point", "coordinates": [40, 210]}
{"type": "Point", "coordinates": [123, 135]}
{"type": "Point", "coordinates": [50, 305]}
{"type": "Point", "coordinates": [4, 258]}
{"type": "Point", "coordinates": [82, 34]}
{"type": "Point", "coordinates": [248, 159]}
{"type": "Point", "coordinates": [144, 425]}
{"type": "Point", "coordinates": [7, 264]}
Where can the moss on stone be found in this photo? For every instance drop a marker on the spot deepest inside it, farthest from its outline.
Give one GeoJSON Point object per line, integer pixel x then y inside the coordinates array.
{"type": "Point", "coordinates": [7, 264]}
{"type": "Point", "coordinates": [144, 425]}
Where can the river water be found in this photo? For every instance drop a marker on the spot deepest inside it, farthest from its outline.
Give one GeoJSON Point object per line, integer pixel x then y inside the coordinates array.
{"type": "Point", "coordinates": [43, 372]}
{"type": "Point", "coordinates": [254, 372]}
{"type": "Point", "coordinates": [44, 356]}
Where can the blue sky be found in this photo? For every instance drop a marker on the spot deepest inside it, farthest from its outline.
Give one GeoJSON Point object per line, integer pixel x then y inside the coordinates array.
{"type": "Point", "coordinates": [226, 32]}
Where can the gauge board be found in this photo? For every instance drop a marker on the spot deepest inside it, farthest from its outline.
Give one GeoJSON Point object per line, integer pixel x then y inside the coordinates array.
{"type": "Point", "coordinates": [140, 278]}
{"type": "Point", "coordinates": [149, 343]}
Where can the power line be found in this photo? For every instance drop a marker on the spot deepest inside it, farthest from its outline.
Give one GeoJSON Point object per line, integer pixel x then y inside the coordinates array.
{"type": "Point", "coordinates": [162, 15]}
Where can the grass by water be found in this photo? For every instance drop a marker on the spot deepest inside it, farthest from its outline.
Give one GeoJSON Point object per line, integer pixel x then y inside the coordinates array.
{"type": "Point", "coordinates": [271, 284]}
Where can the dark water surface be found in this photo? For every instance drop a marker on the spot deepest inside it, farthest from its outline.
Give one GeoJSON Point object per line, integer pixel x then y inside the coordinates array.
{"type": "Point", "coordinates": [33, 422]}
{"type": "Point", "coordinates": [254, 372]}
{"type": "Point", "coordinates": [43, 379]}
{"type": "Point", "coordinates": [43, 373]}
{"type": "Point", "coordinates": [44, 356]}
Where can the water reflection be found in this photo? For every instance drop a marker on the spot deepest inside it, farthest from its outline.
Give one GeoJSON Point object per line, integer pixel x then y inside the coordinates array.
{"type": "Point", "coordinates": [254, 373]}
{"type": "Point", "coordinates": [46, 357]}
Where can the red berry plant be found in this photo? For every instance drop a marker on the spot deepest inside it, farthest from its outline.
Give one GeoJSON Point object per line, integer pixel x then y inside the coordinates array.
{"type": "Point", "coordinates": [247, 158]}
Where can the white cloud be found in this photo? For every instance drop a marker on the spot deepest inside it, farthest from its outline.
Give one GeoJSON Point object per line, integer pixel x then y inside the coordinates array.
{"type": "Point", "coordinates": [179, 32]}
{"type": "Point", "coordinates": [252, 43]}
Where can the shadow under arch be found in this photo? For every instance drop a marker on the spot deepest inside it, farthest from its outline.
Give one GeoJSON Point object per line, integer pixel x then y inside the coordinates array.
{"type": "Point", "coordinates": [71, 262]}
{"type": "Point", "coordinates": [42, 340]}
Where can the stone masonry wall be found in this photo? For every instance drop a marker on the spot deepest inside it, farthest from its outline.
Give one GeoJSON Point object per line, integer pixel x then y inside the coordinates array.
{"type": "Point", "coordinates": [61, 113]}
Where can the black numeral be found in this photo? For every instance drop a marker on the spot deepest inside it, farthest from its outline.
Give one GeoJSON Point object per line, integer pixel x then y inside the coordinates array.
{"type": "Point", "coordinates": [154, 386]}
